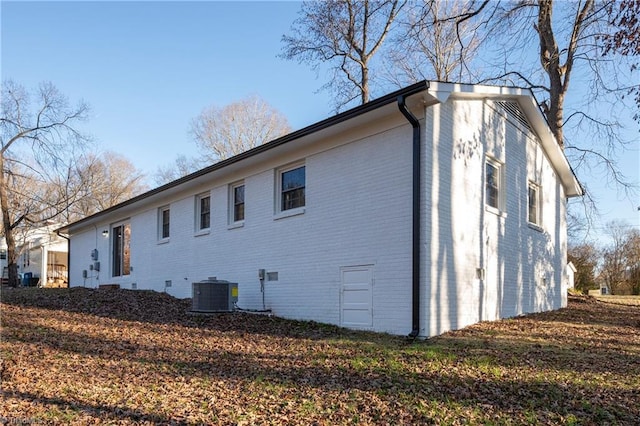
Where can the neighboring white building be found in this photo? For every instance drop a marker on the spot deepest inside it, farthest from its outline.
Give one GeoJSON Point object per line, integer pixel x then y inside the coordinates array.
{"type": "Point", "coordinates": [42, 254]}
{"type": "Point", "coordinates": [426, 210]}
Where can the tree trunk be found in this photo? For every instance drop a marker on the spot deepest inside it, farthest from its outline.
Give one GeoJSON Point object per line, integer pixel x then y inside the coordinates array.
{"type": "Point", "coordinates": [12, 266]}
{"type": "Point", "coordinates": [365, 84]}
{"type": "Point", "coordinates": [550, 61]}
{"type": "Point", "coordinates": [555, 115]}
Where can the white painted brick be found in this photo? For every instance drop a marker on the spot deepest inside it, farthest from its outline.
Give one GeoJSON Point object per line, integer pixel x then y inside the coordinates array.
{"type": "Point", "coordinates": [358, 212]}
{"type": "Point", "coordinates": [468, 236]}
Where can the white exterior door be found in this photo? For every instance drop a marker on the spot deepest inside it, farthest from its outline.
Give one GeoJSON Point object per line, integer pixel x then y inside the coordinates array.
{"type": "Point", "coordinates": [356, 296]}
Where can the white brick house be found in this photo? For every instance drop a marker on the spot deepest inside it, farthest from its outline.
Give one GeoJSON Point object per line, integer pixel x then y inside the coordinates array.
{"type": "Point", "coordinates": [426, 210]}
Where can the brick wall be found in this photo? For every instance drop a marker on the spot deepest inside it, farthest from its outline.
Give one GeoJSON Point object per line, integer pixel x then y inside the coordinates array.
{"type": "Point", "coordinates": [481, 264]}
{"type": "Point", "coordinates": [358, 212]}
{"type": "Point", "coordinates": [476, 264]}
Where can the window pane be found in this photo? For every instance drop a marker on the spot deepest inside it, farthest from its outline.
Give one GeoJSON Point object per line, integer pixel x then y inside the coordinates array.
{"type": "Point", "coordinates": [293, 188]}
{"type": "Point", "coordinates": [293, 179]}
{"type": "Point", "coordinates": [238, 194]}
{"type": "Point", "coordinates": [238, 203]}
{"type": "Point", "coordinates": [165, 223]}
{"type": "Point", "coordinates": [238, 212]}
{"type": "Point", "coordinates": [126, 250]}
{"type": "Point", "coordinates": [117, 251]}
{"type": "Point", "coordinates": [533, 204]}
{"type": "Point", "coordinates": [293, 199]}
{"type": "Point", "coordinates": [492, 185]}
{"type": "Point", "coordinates": [205, 212]}
{"type": "Point", "coordinates": [121, 250]}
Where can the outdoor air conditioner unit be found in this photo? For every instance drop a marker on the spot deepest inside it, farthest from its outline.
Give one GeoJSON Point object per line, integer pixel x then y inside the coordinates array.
{"type": "Point", "coordinates": [213, 295]}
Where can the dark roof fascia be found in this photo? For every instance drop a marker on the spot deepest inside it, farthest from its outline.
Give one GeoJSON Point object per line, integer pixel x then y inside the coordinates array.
{"type": "Point", "coordinates": [306, 131]}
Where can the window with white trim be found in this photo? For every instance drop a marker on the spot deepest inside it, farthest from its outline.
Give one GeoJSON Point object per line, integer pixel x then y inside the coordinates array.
{"type": "Point", "coordinates": [291, 187]}
{"type": "Point", "coordinates": [121, 250]}
{"type": "Point", "coordinates": [164, 223]}
{"type": "Point", "coordinates": [236, 202]}
{"type": "Point", "coordinates": [533, 211]}
{"type": "Point", "coordinates": [493, 184]}
{"type": "Point", "coordinates": [203, 212]}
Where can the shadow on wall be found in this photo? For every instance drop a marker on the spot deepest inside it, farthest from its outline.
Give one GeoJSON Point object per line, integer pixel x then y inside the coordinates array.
{"type": "Point", "coordinates": [441, 295]}
{"type": "Point", "coordinates": [482, 265]}
{"type": "Point", "coordinates": [454, 298]}
{"type": "Point", "coordinates": [532, 271]}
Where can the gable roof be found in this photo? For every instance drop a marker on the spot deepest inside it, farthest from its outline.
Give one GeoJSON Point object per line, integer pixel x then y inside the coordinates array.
{"type": "Point", "coordinates": [536, 119]}
{"type": "Point", "coordinates": [432, 92]}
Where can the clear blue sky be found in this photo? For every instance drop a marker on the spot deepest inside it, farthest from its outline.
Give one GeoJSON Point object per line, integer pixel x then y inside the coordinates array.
{"type": "Point", "coordinates": [148, 68]}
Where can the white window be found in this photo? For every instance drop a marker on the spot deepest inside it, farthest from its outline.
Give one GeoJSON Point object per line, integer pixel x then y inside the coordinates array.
{"type": "Point", "coordinates": [291, 187]}
{"type": "Point", "coordinates": [203, 212]}
{"type": "Point", "coordinates": [236, 203]}
{"type": "Point", "coordinates": [533, 213]}
{"type": "Point", "coordinates": [164, 222]}
{"type": "Point", "coordinates": [493, 184]}
{"type": "Point", "coordinates": [121, 249]}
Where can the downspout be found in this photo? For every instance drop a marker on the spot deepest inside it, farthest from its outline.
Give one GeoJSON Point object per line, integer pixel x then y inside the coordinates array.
{"type": "Point", "coordinates": [415, 260]}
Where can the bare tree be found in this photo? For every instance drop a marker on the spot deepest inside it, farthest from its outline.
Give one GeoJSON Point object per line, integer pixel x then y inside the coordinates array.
{"type": "Point", "coordinates": [558, 66]}
{"type": "Point", "coordinates": [37, 141]}
{"type": "Point", "coordinates": [560, 42]}
{"type": "Point", "coordinates": [346, 34]}
{"type": "Point", "coordinates": [430, 46]}
{"type": "Point", "coordinates": [620, 259]}
{"type": "Point", "coordinates": [224, 132]}
{"type": "Point", "coordinates": [96, 182]}
{"type": "Point", "coordinates": [585, 257]}
{"type": "Point", "coordinates": [624, 17]}
{"type": "Point", "coordinates": [568, 38]}
{"type": "Point", "coordinates": [182, 166]}
{"type": "Point", "coordinates": [632, 252]}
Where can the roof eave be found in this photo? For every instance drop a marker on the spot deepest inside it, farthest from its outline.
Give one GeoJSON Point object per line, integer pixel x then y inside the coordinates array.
{"type": "Point", "coordinates": [552, 147]}
{"type": "Point", "coordinates": [527, 101]}
{"type": "Point", "coordinates": [313, 128]}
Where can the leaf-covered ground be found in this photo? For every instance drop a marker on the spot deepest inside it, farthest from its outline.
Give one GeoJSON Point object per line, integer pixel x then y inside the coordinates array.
{"type": "Point", "coordinates": [79, 356]}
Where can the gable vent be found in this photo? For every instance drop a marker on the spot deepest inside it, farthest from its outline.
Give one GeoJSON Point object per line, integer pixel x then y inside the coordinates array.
{"type": "Point", "coordinates": [513, 112]}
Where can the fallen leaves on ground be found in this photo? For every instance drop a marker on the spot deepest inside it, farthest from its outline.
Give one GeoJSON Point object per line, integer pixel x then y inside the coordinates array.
{"type": "Point", "coordinates": [80, 356]}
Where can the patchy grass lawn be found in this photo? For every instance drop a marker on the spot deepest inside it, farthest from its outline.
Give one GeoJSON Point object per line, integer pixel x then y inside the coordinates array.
{"type": "Point", "coordinates": [78, 356]}
{"type": "Point", "coordinates": [624, 300]}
